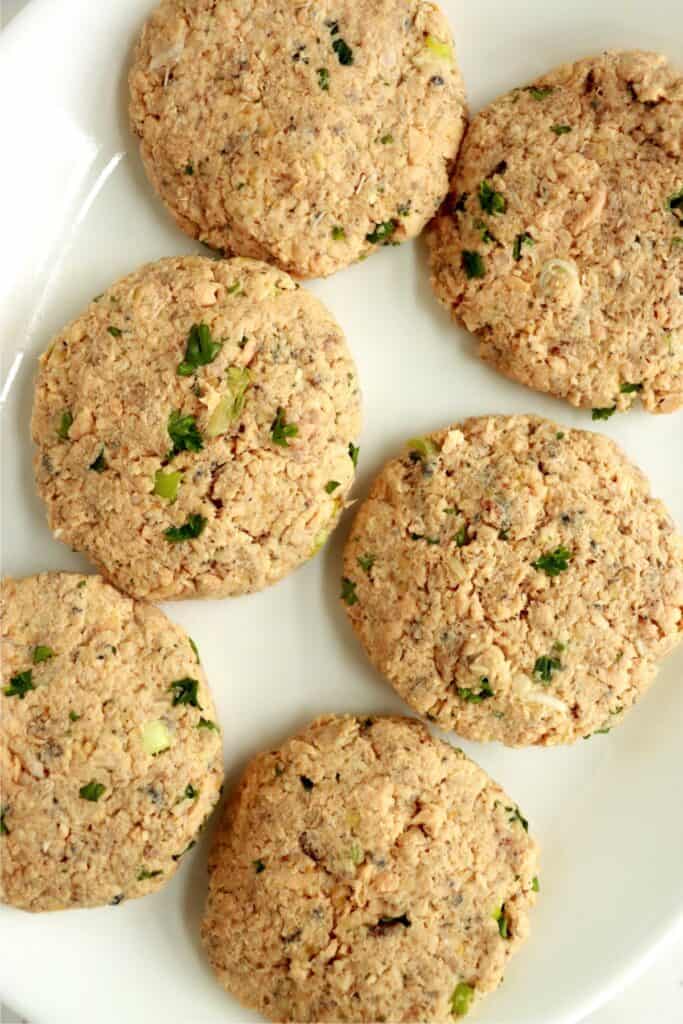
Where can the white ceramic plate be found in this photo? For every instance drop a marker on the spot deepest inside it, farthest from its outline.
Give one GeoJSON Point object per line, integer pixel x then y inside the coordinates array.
{"type": "Point", "coordinates": [78, 213]}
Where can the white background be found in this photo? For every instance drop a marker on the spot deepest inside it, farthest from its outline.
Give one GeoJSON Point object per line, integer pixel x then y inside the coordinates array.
{"type": "Point", "coordinates": [658, 995]}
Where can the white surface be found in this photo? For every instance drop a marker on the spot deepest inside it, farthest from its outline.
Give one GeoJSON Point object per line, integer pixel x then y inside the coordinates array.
{"type": "Point", "coordinates": [77, 213]}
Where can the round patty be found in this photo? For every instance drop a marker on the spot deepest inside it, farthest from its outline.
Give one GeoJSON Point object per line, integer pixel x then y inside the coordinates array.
{"type": "Point", "coordinates": [111, 755]}
{"type": "Point", "coordinates": [366, 872]}
{"type": "Point", "coordinates": [304, 134]}
{"type": "Point", "coordinates": [561, 244]}
{"type": "Point", "coordinates": [515, 580]}
{"type": "Point", "coordinates": [193, 428]}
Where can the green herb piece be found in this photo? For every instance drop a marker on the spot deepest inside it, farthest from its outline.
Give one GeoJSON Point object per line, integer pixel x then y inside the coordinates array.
{"type": "Point", "coordinates": [444, 51]}
{"type": "Point", "coordinates": [331, 486]}
{"type": "Point", "coordinates": [560, 129]}
{"type": "Point", "coordinates": [177, 856]}
{"type": "Point", "coordinates": [343, 51]}
{"type": "Point", "coordinates": [234, 289]}
{"type": "Point", "coordinates": [535, 884]}
{"type": "Point", "coordinates": [184, 433]}
{"type": "Point", "coordinates": [73, 717]}
{"type": "Point", "coordinates": [333, 27]}
{"type": "Point", "coordinates": [552, 563]}
{"type": "Point", "coordinates": [92, 791]}
{"type": "Point", "coordinates": [189, 169]}
{"type": "Point", "coordinates": [516, 815]}
{"type": "Point", "coordinates": [166, 484]}
{"type": "Point", "coordinates": [100, 463]}
{"type": "Point", "coordinates": [366, 562]}
{"type": "Point", "coordinates": [382, 233]}
{"type": "Point", "coordinates": [338, 233]}
{"type": "Point", "coordinates": [603, 414]}
{"type": "Point", "coordinates": [675, 204]}
{"type": "Point", "coordinates": [353, 454]}
{"type": "Point", "coordinates": [115, 332]}
{"type": "Point", "coordinates": [65, 421]}
{"type": "Point", "coordinates": [20, 684]}
{"type": "Point", "coordinates": [192, 528]}
{"type": "Point", "coordinates": [41, 653]}
{"type": "Point", "coordinates": [4, 831]}
{"type": "Point", "coordinates": [521, 240]}
{"type": "Point", "coordinates": [461, 1000]}
{"type": "Point", "coordinates": [231, 404]}
{"type": "Point", "coordinates": [155, 738]}
{"type": "Point", "coordinates": [676, 241]}
{"type": "Point", "coordinates": [491, 201]}
{"type": "Point", "coordinates": [422, 449]}
{"type": "Point", "coordinates": [423, 536]}
{"type": "Point", "coordinates": [387, 139]}
{"type": "Point", "coordinates": [190, 792]}
{"type": "Point", "coordinates": [357, 854]}
{"type": "Point", "coordinates": [307, 783]}
{"type": "Point", "coordinates": [545, 666]}
{"type": "Point", "coordinates": [500, 916]}
{"type": "Point", "coordinates": [348, 591]}
{"type": "Point", "coordinates": [259, 866]}
{"type": "Point", "coordinates": [206, 723]}
{"type": "Point", "coordinates": [473, 264]}
{"type": "Point", "coordinates": [195, 649]}
{"type": "Point", "coordinates": [476, 696]}
{"type": "Point", "coordinates": [629, 389]}
{"type": "Point", "coordinates": [540, 92]}
{"type": "Point", "coordinates": [324, 79]}
{"type": "Point", "coordinates": [280, 430]}
{"type": "Point", "coordinates": [200, 350]}
{"type": "Point", "coordinates": [145, 874]}
{"type": "Point", "coordinates": [461, 536]}
{"type": "Point", "coordinates": [185, 692]}
{"type": "Point", "coordinates": [559, 435]}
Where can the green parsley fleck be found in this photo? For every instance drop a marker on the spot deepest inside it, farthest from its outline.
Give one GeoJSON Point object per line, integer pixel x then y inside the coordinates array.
{"type": "Point", "coordinates": [676, 241]}
{"type": "Point", "coordinates": [461, 1000]}
{"type": "Point", "coordinates": [343, 51]}
{"type": "Point", "coordinates": [189, 169]}
{"type": "Point", "coordinates": [357, 855]}
{"type": "Point", "coordinates": [552, 563]}
{"type": "Point", "coordinates": [332, 486]}
{"type": "Point", "coordinates": [545, 666]}
{"type": "Point", "coordinates": [461, 536]}
{"type": "Point", "coordinates": [41, 653]}
{"type": "Point", "coordinates": [199, 351]}
{"type": "Point", "coordinates": [234, 289]}
{"type": "Point", "coordinates": [540, 92]}
{"type": "Point", "coordinates": [166, 484]}
{"type": "Point", "coordinates": [560, 129]}
{"type": "Point", "coordinates": [366, 562]}
{"type": "Point", "coordinates": [324, 79]}
{"type": "Point", "coordinates": [603, 414]}
{"type": "Point", "coordinates": [491, 201]}
{"type": "Point", "coordinates": [473, 264]}
{"type": "Point", "coordinates": [338, 233]}
{"type": "Point", "coordinates": [184, 433]}
{"type": "Point", "coordinates": [516, 815]}
{"type": "Point", "coordinates": [206, 723]}
{"type": "Point", "coordinates": [354, 451]}
{"type": "Point", "coordinates": [500, 916]}
{"type": "Point", "coordinates": [177, 856]}
{"type": "Point", "coordinates": [559, 435]}
{"type": "Point", "coordinates": [20, 684]}
{"type": "Point", "coordinates": [185, 692]}
{"type": "Point", "coordinates": [92, 791]}
{"type": "Point", "coordinates": [145, 874]}
{"type": "Point", "coordinates": [423, 536]}
{"type": "Point", "coordinates": [675, 204]}
{"type": "Point", "coordinates": [387, 139]}
{"type": "Point", "coordinates": [280, 430]}
{"type": "Point", "coordinates": [4, 831]}
{"type": "Point", "coordinates": [100, 463]}
{"type": "Point", "coordinates": [476, 696]}
{"type": "Point", "coordinates": [520, 241]}
{"type": "Point", "coordinates": [192, 528]}
{"type": "Point", "coordinates": [422, 449]}
{"type": "Point", "coordinates": [382, 233]}
{"type": "Point", "coordinates": [73, 717]}
{"type": "Point", "coordinates": [190, 792]}
{"type": "Point", "coordinates": [65, 421]}
{"type": "Point", "coordinates": [535, 884]}
{"type": "Point", "coordinates": [259, 866]}
{"type": "Point", "coordinates": [115, 332]}
{"type": "Point", "coordinates": [348, 591]}
{"type": "Point", "coordinates": [195, 649]}
{"type": "Point", "coordinates": [629, 389]}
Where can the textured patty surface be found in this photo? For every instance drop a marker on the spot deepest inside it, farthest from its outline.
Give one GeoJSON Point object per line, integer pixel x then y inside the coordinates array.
{"type": "Point", "coordinates": [301, 133]}
{"type": "Point", "coordinates": [366, 872]}
{"type": "Point", "coordinates": [193, 428]}
{"type": "Point", "coordinates": [561, 243]}
{"type": "Point", "coordinates": [515, 580]}
{"type": "Point", "coordinates": [106, 774]}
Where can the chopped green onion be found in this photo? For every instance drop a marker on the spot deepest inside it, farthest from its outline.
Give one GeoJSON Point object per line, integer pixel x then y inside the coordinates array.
{"type": "Point", "coordinates": [166, 484]}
